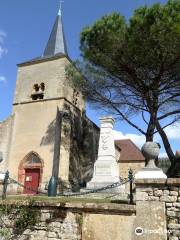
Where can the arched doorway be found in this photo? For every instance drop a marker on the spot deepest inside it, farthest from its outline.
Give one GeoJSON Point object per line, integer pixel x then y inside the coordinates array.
{"type": "Point", "coordinates": [30, 173]}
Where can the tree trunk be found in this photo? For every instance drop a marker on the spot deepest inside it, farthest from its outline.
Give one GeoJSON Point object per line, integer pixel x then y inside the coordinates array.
{"type": "Point", "coordinates": [167, 147]}
{"type": "Point", "coordinates": [150, 130]}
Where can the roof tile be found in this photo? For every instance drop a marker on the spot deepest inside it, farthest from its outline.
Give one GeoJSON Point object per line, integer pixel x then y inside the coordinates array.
{"type": "Point", "coordinates": [129, 151]}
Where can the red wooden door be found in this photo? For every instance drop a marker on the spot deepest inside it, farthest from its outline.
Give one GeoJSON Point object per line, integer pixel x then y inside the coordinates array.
{"type": "Point", "coordinates": [31, 181]}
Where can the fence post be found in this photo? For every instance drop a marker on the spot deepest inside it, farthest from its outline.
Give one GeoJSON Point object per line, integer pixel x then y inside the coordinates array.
{"type": "Point", "coordinates": [52, 187]}
{"type": "Point", "coordinates": [5, 184]}
{"type": "Point", "coordinates": [131, 178]}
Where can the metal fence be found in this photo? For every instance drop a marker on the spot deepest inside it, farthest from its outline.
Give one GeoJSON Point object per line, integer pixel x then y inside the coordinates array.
{"type": "Point", "coordinates": [130, 179]}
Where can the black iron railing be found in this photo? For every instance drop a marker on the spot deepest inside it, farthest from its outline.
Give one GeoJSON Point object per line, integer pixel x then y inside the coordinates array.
{"type": "Point", "coordinates": [130, 179]}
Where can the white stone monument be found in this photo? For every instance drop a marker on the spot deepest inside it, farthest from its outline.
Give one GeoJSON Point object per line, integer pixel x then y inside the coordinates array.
{"type": "Point", "coordinates": [106, 169]}
{"type": "Point", "coordinates": [150, 150]}
{"type": "Point", "coordinates": [2, 176]}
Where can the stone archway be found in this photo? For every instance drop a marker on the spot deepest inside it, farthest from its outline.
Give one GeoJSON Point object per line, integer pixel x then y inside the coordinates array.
{"type": "Point", "coordinates": [31, 161]}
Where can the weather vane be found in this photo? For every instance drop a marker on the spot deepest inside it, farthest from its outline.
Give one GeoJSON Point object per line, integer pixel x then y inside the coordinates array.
{"type": "Point", "coordinates": [60, 7]}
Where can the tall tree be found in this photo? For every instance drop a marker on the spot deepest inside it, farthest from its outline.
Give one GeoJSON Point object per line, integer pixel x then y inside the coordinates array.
{"type": "Point", "coordinates": [132, 67]}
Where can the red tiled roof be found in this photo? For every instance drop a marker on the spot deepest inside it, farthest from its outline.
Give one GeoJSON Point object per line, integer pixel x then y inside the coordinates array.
{"type": "Point", "coordinates": [129, 151]}
{"type": "Point", "coordinates": [178, 153]}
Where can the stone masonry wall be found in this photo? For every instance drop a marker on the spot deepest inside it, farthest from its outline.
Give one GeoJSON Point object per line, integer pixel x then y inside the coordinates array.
{"type": "Point", "coordinates": [66, 221]}
{"type": "Point", "coordinates": [5, 140]}
{"type": "Point", "coordinates": [166, 192]}
{"type": "Point", "coordinates": [54, 223]}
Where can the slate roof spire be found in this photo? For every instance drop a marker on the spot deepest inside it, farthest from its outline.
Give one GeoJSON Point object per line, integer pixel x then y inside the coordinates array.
{"type": "Point", "coordinates": [56, 43]}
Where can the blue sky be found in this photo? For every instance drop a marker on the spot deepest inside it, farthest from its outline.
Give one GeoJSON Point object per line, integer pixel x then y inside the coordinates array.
{"type": "Point", "coordinates": [24, 30]}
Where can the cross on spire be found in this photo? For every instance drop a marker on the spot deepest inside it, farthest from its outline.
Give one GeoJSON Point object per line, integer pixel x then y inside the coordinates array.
{"type": "Point", "coordinates": [60, 7]}
{"type": "Point", "coordinates": [56, 43]}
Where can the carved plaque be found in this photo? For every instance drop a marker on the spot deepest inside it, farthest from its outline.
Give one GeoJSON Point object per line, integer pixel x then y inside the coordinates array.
{"type": "Point", "coordinates": [103, 170]}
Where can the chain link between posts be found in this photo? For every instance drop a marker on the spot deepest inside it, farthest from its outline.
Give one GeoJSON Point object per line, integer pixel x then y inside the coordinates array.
{"type": "Point", "coordinates": [121, 182]}
{"type": "Point", "coordinates": [110, 186]}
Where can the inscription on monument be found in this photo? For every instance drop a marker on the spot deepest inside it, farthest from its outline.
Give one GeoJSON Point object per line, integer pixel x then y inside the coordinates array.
{"type": "Point", "coordinates": [105, 138]}
{"type": "Point", "coordinates": [103, 170]}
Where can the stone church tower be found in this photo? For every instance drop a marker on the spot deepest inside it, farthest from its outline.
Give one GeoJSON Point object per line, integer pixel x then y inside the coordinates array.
{"type": "Point", "coordinates": [48, 132]}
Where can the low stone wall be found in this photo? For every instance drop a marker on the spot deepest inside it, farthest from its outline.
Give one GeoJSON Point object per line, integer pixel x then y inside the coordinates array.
{"type": "Point", "coordinates": [159, 200]}
{"type": "Point", "coordinates": [156, 216]}
{"type": "Point", "coordinates": [68, 221]}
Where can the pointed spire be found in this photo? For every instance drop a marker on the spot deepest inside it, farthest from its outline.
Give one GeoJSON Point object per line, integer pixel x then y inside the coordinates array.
{"type": "Point", "coordinates": [60, 8]}
{"type": "Point", "coordinates": [56, 43]}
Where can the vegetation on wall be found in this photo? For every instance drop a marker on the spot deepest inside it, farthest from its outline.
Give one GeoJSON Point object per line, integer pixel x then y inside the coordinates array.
{"type": "Point", "coordinates": [22, 216]}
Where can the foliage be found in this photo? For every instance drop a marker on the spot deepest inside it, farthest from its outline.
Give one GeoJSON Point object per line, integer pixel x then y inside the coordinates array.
{"type": "Point", "coordinates": [27, 217]}
{"type": "Point", "coordinates": [79, 220]}
{"type": "Point", "coordinates": [23, 217]}
{"type": "Point", "coordinates": [132, 67]}
{"type": "Point", "coordinates": [4, 233]}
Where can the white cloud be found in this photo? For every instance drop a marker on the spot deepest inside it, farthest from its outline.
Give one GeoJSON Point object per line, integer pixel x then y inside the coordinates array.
{"type": "Point", "coordinates": [3, 79]}
{"type": "Point", "coordinates": [2, 36]}
{"type": "Point", "coordinates": [3, 50]}
{"type": "Point", "coordinates": [163, 155]}
{"type": "Point", "coordinates": [138, 140]}
{"type": "Point", "coordinates": [173, 131]}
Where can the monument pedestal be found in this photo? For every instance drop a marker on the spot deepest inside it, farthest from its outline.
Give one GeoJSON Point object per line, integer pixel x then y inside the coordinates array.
{"type": "Point", "coordinates": [105, 173]}
{"type": "Point", "coordinates": [106, 169]}
{"type": "Point", "coordinates": [148, 173]}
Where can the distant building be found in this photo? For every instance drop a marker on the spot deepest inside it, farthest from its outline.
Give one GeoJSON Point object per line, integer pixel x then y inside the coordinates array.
{"type": "Point", "coordinates": [128, 156]}
{"type": "Point", "coordinates": [178, 153]}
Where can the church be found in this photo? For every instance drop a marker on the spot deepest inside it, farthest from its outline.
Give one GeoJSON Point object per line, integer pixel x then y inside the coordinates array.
{"type": "Point", "coordinates": [48, 133]}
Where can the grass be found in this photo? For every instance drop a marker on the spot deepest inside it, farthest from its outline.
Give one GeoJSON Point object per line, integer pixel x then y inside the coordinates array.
{"type": "Point", "coordinates": [61, 199]}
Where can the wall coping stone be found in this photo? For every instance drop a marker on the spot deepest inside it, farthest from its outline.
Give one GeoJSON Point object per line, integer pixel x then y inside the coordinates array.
{"type": "Point", "coordinates": [79, 207]}
{"type": "Point", "coordinates": [173, 181]}
{"type": "Point", "coordinates": [152, 182]}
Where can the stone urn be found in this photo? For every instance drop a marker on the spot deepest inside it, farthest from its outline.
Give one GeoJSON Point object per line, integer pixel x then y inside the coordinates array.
{"type": "Point", "coordinates": [150, 150]}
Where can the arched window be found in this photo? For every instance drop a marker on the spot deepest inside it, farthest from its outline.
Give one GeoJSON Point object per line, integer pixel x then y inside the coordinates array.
{"type": "Point", "coordinates": [32, 159]}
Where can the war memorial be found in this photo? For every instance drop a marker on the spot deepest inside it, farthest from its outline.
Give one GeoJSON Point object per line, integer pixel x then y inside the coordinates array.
{"type": "Point", "coordinates": [63, 177]}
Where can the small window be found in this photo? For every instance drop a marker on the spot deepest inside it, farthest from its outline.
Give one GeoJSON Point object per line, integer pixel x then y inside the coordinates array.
{"type": "Point", "coordinates": [42, 86]}
{"type": "Point", "coordinates": [38, 91]}
{"type": "Point", "coordinates": [75, 97]}
{"type": "Point", "coordinates": [36, 87]}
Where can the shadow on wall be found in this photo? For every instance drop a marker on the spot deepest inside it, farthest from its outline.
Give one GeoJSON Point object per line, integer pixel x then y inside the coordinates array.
{"type": "Point", "coordinates": [84, 149]}
{"type": "Point", "coordinates": [84, 138]}
{"type": "Point", "coordinates": [49, 135]}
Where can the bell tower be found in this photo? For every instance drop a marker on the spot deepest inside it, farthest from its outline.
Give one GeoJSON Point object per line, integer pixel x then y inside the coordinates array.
{"type": "Point", "coordinates": [43, 78]}
{"type": "Point", "coordinates": [42, 90]}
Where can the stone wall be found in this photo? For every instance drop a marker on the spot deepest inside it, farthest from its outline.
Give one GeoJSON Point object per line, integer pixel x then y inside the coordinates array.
{"type": "Point", "coordinates": [72, 221]}
{"type": "Point", "coordinates": [126, 165]}
{"type": "Point", "coordinates": [5, 140]}
{"type": "Point", "coordinates": [162, 197]}
{"type": "Point", "coordinates": [52, 73]}
{"type": "Point", "coordinates": [36, 128]}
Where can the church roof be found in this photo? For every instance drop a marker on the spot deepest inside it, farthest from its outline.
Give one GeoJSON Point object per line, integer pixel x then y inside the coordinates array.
{"type": "Point", "coordinates": [129, 151]}
{"type": "Point", "coordinates": [43, 59]}
{"type": "Point", "coordinates": [56, 43]}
